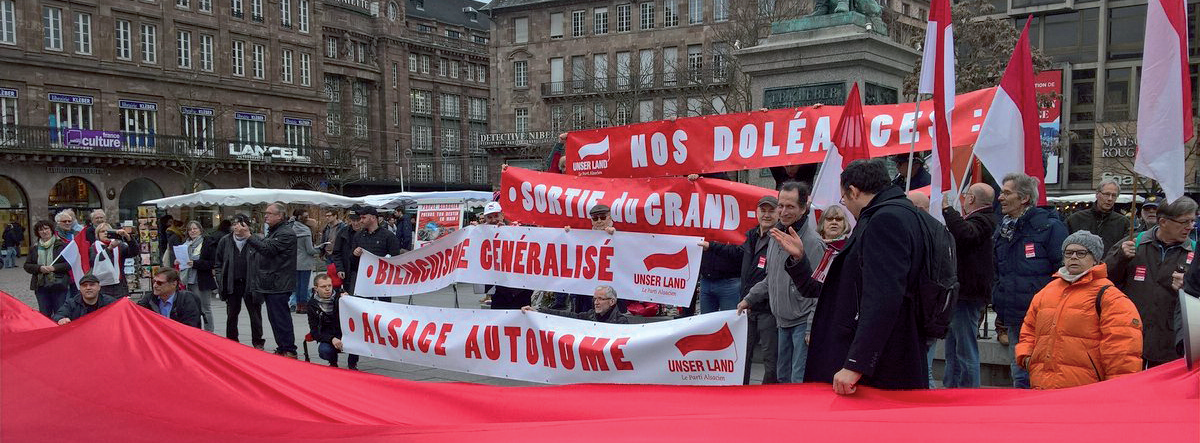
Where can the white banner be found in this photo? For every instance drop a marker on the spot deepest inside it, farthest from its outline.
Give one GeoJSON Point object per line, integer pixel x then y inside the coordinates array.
{"type": "Point", "coordinates": [647, 267]}
{"type": "Point", "coordinates": [704, 350]}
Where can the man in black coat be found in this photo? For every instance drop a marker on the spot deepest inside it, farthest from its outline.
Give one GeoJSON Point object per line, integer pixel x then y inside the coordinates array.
{"type": "Point", "coordinates": [168, 301]}
{"type": "Point", "coordinates": [865, 328]}
{"type": "Point", "coordinates": [604, 308]}
{"type": "Point", "coordinates": [343, 256]}
{"type": "Point", "coordinates": [274, 275]}
{"type": "Point", "coordinates": [375, 238]}
{"type": "Point", "coordinates": [976, 269]}
{"type": "Point", "coordinates": [233, 259]}
{"type": "Point", "coordinates": [88, 301]}
{"type": "Point", "coordinates": [763, 336]}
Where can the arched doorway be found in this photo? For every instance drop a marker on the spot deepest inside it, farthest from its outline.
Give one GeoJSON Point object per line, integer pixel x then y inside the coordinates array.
{"type": "Point", "coordinates": [14, 207]}
{"type": "Point", "coordinates": [133, 194]}
{"type": "Point", "coordinates": [74, 193]}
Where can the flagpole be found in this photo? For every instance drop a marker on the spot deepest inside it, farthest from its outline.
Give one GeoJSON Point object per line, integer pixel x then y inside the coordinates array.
{"type": "Point", "coordinates": [912, 146]}
{"type": "Point", "coordinates": [1133, 206]}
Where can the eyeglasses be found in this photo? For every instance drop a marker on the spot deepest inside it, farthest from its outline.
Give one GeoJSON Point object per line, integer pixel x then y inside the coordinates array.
{"type": "Point", "coordinates": [1109, 194]}
{"type": "Point", "coordinates": [1076, 254]}
{"type": "Point", "coordinates": [1187, 222]}
{"type": "Point", "coordinates": [604, 298]}
{"type": "Point", "coordinates": [599, 217]}
{"type": "Point", "coordinates": [160, 282]}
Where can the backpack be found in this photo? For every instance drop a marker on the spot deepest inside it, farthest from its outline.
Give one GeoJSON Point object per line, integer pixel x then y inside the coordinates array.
{"type": "Point", "coordinates": [937, 284]}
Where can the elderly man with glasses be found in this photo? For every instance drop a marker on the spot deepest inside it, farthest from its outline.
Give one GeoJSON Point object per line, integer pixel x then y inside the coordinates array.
{"type": "Point", "coordinates": [1101, 219]}
{"type": "Point", "coordinates": [1149, 267]}
{"type": "Point", "coordinates": [168, 301]}
{"type": "Point", "coordinates": [604, 303]}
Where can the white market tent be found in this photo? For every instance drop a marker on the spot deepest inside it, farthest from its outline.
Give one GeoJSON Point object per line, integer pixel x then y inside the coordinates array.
{"type": "Point", "coordinates": [254, 196]}
{"type": "Point", "coordinates": [1086, 198]}
{"type": "Point", "coordinates": [399, 198]}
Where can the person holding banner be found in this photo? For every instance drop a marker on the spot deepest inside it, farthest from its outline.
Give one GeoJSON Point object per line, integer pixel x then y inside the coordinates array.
{"type": "Point", "coordinates": [324, 322]}
{"type": "Point", "coordinates": [763, 331]}
{"type": "Point", "coordinates": [604, 302]}
{"type": "Point", "coordinates": [601, 221]}
{"type": "Point", "coordinates": [793, 312]}
{"type": "Point", "coordinates": [865, 329]}
{"type": "Point", "coordinates": [48, 271]}
{"type": "Point", "coordinates": [503, 297]}
{"type": "Point", "coordinates": [89, 300]}
{"type": "Point", "coordinates": [374, 239]}
{"type": "Point", "coordinates": [168, 301]}
{"type": "Point", "coordinates": [343, 256]}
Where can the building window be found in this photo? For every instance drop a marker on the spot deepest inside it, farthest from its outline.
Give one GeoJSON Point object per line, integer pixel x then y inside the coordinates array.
{"type": "Point", "coordinates": [450, 106]}
{"type": "Point", "coordinates": [297, 131]}
{"type": "Point", "coordinates": [481, 73]}
{"type": "Point", "coordinates": [412, 62]}
{"type": "Point", "coordinates": [647, 15]}
{"type": "Point", "coordinates": [362, 52]}
{"type": "Point", "coordinates": [578, 117]}
{"type": "Point", "coordinates": [52, 27]}
{"type": "Point", "coordinates": [623, 70]}
{"type": "Point", "coordinates": [695, 61]}
{"type": "Point", "coordinates": [196, 124]}
{"type": "Point", "coordinates": [695, 12]}
{"type": "Point", "coordinates": [476, 131]}
{"type": "Point", "coordinates": [235, 8]}
{"type": "Point", "coordinates": [720, 62]}
{"type": "Point", "coordinates": [285, 13]}
{"type": "Point", "coordinates": [238, 56]}
{"type": "Point", "coordinates": [522, 120]}
{"type": "Point", "coordinates": [422, 168]}
{"type": "Point", "coordinates": [183, 3]}
{"type": "Point", "coordinates": [256, 10]}
{"type": "Point", "coordinates": [454, 68]}
{"type": "Point", "coordinates": [451, 135]}
{"type": "Point", "coordinates": [600, 20]}
{"type": "Point", "coordinates": [138, 123]}
{"type": "Point", "coordinates": [557, 121]}
{"type": "Point", "coordinates": [302, 15]}
{"type": "Point", "coordinates": [260, 58]}
{"type": "Point", "coordinates": [721, 10]}
{"type": "Point", "coordinates": [360, 109]}
{"type": "Point", "coordinates": [622, 113]}
{"type": "Point", "coordinates": [305, 69]}
{"type": "Point", "coordinates": [424, 64]}
{"type": "Point", "coordinates": [204, 5]}
{"type": "Point", "coordinates": [695, 107]}
{"type": "Point", "coordinates": [8, 22]}
{"type": "Point", "coordinates": [421, 27]}
{"type": "Point", "coordinates": [671, 13]}
{"type": "Point", "coordinates": [183, 50]}
{"type": "Point", "coordinates": [670, 65]}
{"type": "Point", "coordinates": [443, 64]}
{"type": "Point", "coordinates": [206, 52]}
{"type": "Point", "coordinates": [477, 108]}
{"type": "Point", "coordinates": [479, 173]}
{"type": "Point", "coordinates": [285, 72]}
{"type": "Point", "coordinates": [646, 111]}
{"type": "Point", "coordinates": [124, 40]}
{"type": "Point", "coordinates": [521, 73]}
{"type": "Point", "coordinates": [451, 171]}
{"type": "Point", "coordinates": [600, 112]}
{"type": "Point", "coordinates": [331, 47]}
{"type": "Point", "coordinates": [479, 39]}
{"type": "Point", "coordinates": [422, 134]}
{"type": "Point", "coordinates": [600, 71]}
{"type": "Point", "coordinates": [450, 33]}
{"type": "Point", "coordinates": [623, 17]}
{"type": "Point", "coordinates": [646, 68]}
{"type": "Point", "coordinates": [470, 72]}
{"type": "Point", "coordinates": [521, 30]}
{"type": "Point", "coordinates": [577, 24]}
{"type": "Point", "coordinates": [149, 43]}
{"type": "Point", "coordinates": [670, 108]}
{"type": "Point", "coordinates": [70, 111]}
{"type": "Point", "coordinates": [251, 128]}
{"type": "Point", "coordinates": [395, 74]}
{"type": "Point", "coordinates": [83, 33]}
{"type": "Point", "coordinates": [556, 25]}
{"type": "Point", "coordinates": [333, 110]}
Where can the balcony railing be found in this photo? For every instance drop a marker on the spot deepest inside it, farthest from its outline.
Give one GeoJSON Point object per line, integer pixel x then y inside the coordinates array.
{"type": "Point", "coordinates": [447, 42]}
{"type": "Point", "coordinates": [43, 139]}
{"type": "Point", "coordinates": [636, 82]}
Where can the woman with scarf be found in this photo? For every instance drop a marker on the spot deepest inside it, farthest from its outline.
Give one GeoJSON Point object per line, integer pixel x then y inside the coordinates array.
{"type": "Point", "coordinates": [199, 274]}
{"type": "Point", "coordinates": [48, 272]}
{"type": "Point", "coordinates": [1080, 329]}
{"type": "Point", "coordinates": [115, 252]}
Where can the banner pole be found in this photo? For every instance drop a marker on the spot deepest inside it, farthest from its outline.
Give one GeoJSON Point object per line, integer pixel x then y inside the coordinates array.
{"type": "Point", "coordinates": [912, 146]}
{"type": "Point", "coordinates": [1133, 206]}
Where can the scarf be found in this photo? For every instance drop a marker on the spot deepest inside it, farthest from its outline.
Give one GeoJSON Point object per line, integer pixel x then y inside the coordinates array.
{"type": "Point", "coordinates": [46, 252]}
{"type": "Point", "coordinates": [239, 242]}
{"type": "Point", "coordinates": [1062, 272]}
{"type": "Point", "coordinates": [326, 304]}
{"type": "Point", "coordinates": [1009, 224]}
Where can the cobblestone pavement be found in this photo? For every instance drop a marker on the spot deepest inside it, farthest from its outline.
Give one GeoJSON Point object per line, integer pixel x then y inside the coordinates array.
{"type": "Point", "coordinates": [16, 282]}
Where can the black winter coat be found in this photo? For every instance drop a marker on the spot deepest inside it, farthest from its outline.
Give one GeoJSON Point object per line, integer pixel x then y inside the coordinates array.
{"type": "Point", "coordinates": [207, 262]}
{"type": "Point", "coordinates": [1110, 226]}
{"type": "Point", "coordinates": [344, 259]}
{"type": "Point", "coordinates": [323, 326]}
{"type": "Point", "coordinates": [511, 298]}
{"type": "Point", "coordinates": [974, 245]}
{"type": "Point", "coordinates": [719, 262]}
{"type": "Point", "coordinates": [273, 266]}
{"type": "Point", "coordinates": [186, 309]}
{"type": "Point", "coordinates": [61, 267]}
{"type": "Point", "coordinates": [752, 273]}
{"type": "Point", "coordinates": [866, 319]}
{"type": "Point", "coordinates": [74, 307]}
{"type": "Point", "coordinates": [612, 316]}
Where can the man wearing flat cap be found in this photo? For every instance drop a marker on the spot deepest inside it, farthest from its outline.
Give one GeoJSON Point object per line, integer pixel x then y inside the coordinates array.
{"type": "Point", "coordinates": [374, 239]}
{"type": "Point", "coordinates": [89, 300]}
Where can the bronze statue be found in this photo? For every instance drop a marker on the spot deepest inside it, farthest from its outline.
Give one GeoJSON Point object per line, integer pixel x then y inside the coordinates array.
{"type": "Point", "coordinates": [868, 8]}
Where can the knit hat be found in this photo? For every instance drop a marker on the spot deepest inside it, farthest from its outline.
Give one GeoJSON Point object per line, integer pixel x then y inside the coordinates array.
{"type": "Point", "coordinates": [1092, 242]}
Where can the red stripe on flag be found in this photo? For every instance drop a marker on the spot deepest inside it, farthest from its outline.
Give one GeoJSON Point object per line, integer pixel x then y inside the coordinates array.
{"type": "Point", "coordinates": [715, 341]}
{"type": "Point", "coordinates": [678, 260]}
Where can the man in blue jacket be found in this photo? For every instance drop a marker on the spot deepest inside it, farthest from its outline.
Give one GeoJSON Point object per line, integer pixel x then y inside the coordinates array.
{"type": "Point", "coordinates": [1028, 246]}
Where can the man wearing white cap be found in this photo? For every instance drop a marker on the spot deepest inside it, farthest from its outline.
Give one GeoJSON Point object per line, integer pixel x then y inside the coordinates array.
{"type": "Point", "coordinates": [504, 297]}
{"type": "Point", "coordinates": [492, 215]}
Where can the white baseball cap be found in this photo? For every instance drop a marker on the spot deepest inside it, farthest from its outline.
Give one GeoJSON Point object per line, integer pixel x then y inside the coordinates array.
{"type": "Point", "coordinates": [491, 208]}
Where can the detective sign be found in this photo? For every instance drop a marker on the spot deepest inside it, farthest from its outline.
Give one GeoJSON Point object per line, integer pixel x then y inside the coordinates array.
{"type": "Point", "coordinates": [703, 350]}
{"type": "Point", "coordinates": [646, 267]}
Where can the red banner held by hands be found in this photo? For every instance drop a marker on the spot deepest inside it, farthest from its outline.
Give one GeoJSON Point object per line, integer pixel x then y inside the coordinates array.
{"type": "Point", "coordinates": [759, 139]}
{"type": "Point", "coordinates": [715, 209]}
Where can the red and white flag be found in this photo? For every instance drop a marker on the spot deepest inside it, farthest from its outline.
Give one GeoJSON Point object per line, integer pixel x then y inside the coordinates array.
{"type": "Point", "coordinates": [1165, 107]}
{"type": "Point", "coordinates": [849, 144]}
{"type": "Point", "coordinates": [76, 255]}
{"type": "Point", "coordinates": [937, 78]}
{"type": "Point", "coordinates": [1010, 139]}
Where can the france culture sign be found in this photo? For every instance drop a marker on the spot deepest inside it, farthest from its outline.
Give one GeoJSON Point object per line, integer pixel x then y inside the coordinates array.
{"type": "Point", "coordinates": [704, 350]}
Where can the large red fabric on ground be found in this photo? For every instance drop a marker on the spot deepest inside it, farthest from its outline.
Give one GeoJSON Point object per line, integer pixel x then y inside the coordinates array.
{"type": "Point", "coordinates": [127, 374]}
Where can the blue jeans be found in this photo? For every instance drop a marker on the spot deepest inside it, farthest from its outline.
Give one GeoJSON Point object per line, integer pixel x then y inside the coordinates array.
{"type": "Point", "coordinates": [49, 300]}
{"type": "Point", "coordinates": [793, 353]}
{"type": "Point", "coordinates": [330, 354]}
{"type": "Point", "coordinates": [719, 294]}
{"type": "Point", "coordinates": [930, 347]}
{"type": "Point", "coordinates": [300, 296]}
{"type": "Point", "coordinates": [281, 321]}
{"type": "Point", "coordinates": [962, 346]}
{"type": "Point", "coordinates": [10, 257]}
{"type": "Point", "coordinates": [1020, 376]}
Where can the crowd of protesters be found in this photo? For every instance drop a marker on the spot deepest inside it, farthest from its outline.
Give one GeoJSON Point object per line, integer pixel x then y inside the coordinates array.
{"type": "Point", "coordinates": [834, 297]}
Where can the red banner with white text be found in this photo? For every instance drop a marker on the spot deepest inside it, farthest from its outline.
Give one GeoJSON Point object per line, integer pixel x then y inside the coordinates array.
{"type": "Point", "coordinates": [718, 210]}
{"type": "Point", "coordinates": [759, 139]}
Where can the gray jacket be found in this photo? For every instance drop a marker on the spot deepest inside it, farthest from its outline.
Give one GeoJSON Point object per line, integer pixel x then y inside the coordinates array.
{"type": "Point", "coordinates": [788, 306]}
{"type": "Point", "coordinates": [306, 254]}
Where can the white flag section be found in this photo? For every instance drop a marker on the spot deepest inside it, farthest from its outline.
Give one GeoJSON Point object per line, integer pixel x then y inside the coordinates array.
{"type": "Point", "coordinates": [1164, 99]}
{"type": "Point", "coordinates": [704, 350]}
{"type": "Point", "coordinates": [646, 267]}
